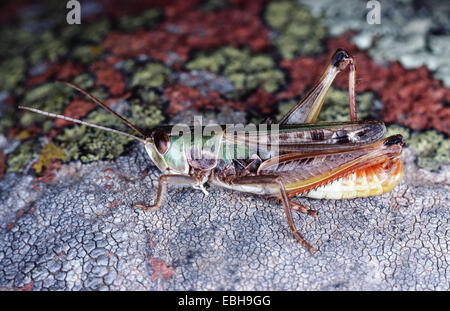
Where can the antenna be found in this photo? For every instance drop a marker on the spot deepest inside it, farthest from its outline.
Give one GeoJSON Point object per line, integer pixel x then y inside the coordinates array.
{"type": "Point", "coordinates": [58, 116]}
{"type": "Point", "coordinates": [98, 102]}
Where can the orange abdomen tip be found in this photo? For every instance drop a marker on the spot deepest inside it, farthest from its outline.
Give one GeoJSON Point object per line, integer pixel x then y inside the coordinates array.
{"type": "Point", "coordinates": [373, 180]}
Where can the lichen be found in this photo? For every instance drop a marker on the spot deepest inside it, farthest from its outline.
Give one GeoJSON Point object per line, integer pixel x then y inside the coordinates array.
{"type": "Point", "coordinates": [284, 107]}
{"type": "Point", "coordinates": [147, 95]}
{"type": "Point", "coordinates": [145, 115]}
{"type": "Point", "coordinates": [50, 97]}
{"type": "Point", "coordinates": [87, 53]}
{"type": "Point", "coordinates": [150, 75]}
{"type": "Point", "coordinates": [49, 153]}
{"type": "Point", "coordinates": [84, 80]}
{"type": "Point", "coordinates": [47, 47]}
{"type": "Point", "coordinates": [11, 73]}
{"type": "Point", "coordinates": [145, 20]}
{"type": "Point", "coordinates": [89, 144]}
{"type": "Point", "coordinates": [92, 33]}
{"type": "Point", "coordinates": [19, 158]}
{"type": "Point", "coordinates": [100, 93]}
{"type": "Point", "coordinates": [246, 71]}
{"type": "Point", "coordinates": [7, 114]}
{"type": "Point", "coordinates": [299, 33]}
{"type": "Point", "coordinates": [432, 148]}
{"type": "Point", "coordinates": [336, 106]}
{"type": "Point", "coordinates": [213, 5]}
{"type": "Point", "coordinates": [393, 129]}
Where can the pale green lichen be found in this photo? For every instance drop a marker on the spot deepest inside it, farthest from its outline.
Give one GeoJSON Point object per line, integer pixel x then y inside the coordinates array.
{"type": "Point", "coordinates": [299, 33]}
{"type": "Point", "coordinates": [12, 71]}
{"type": "Point", "coordinates": [431, 147]}
{"type": "Point", "coordinates": [150, 75]}
{"type": "Point", "coordinates": [92, 33]}
{"type": "Point", "coordinates": [147, 95]}
{"type": "Point", "coordinates": [101, 93]}
{"type": "Point", "coordinates": [146, 116]}
{"type": "Point", "coordinates": [145, 109]}
{"type": "Point", "coordinates": [47, 48]}
{"type": "Point", "coordinates": [246, 71]}
{"type": "Point", "coordinates": [284, 107]}
{"type": "Point", "coordinates": [50, 97]}
{"type": "Point", "coordinates": [394, 129]}
{"type": "Point", "coordinates": [7, 114]}
{"type": "Point", "coordinates": [90, 144]}
{"type": "Point", "coordinates": [146, 19]}
{"type": "Point", "coordinates": [19, 158]}
{"type": "Point", "coordinates": [87, 53]}
{"type": "Point", "coordinates": [336, 106]}
{"type": "Point", "coordinates": [84, 80]}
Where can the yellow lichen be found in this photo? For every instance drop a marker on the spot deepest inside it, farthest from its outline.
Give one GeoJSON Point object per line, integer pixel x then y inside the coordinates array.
{"type": "Point", "coordinates": [49, 153]}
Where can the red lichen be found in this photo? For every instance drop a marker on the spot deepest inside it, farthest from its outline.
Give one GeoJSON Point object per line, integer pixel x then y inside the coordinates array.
{"type": "Point", "coordinates": [160, 269]}
{"type": "Point", "coordinates": [76, 109]}
{"type": "Point", "coordinates": [183, 97]}
{"type": "Point", "coordinates": [263, 101]}
{"type": "Point", "coordinates": [56, 71]}
{"type": "Point", "coordinates": [303, 73]}
{"type": "Point", "coordinates": [185, 30]}
{"type": "Point", "coordinates": [107, 76]}
{"type": "Point", "coordinates": [119, 8]}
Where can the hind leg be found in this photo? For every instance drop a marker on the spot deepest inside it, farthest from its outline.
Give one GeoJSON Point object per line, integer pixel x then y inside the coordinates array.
{"type": "Point", "coordinates": [308, 109]}
{"type": "Point", "coordinates": [277, 183]}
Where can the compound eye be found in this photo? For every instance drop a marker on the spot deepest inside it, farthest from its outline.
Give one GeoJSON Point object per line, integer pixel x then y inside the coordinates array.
{"type": "Point", "coordinates": [162, 142]}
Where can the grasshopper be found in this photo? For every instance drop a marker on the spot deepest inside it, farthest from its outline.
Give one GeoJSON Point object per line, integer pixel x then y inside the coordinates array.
{"type": "Point", "coordinates": [317, 160]}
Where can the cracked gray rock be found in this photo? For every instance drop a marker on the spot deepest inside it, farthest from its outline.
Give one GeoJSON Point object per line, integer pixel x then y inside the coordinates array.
{"type": "Point", "coordinates": [82, 233]}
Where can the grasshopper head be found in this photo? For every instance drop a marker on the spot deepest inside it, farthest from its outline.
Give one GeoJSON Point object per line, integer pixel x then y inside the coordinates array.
{"type": "Point", "coordinates": [157, 145]}
{"type": "Point", "coordinates": [167, 152]}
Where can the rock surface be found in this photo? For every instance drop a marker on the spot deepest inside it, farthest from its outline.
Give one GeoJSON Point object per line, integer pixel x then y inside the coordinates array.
{"type": "Point", "coordinates": [82, 233]}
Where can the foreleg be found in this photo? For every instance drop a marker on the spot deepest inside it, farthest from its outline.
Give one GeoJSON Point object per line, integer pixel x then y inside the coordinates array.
{"type": "Point", "coordinates": [164, 180]}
